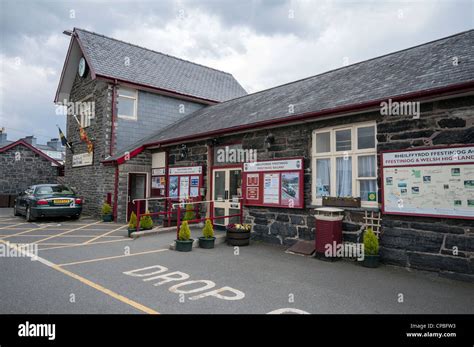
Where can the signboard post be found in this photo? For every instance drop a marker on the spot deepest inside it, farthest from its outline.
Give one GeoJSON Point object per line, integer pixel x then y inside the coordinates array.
{"type": "Point", "coordinates": [434, 182]}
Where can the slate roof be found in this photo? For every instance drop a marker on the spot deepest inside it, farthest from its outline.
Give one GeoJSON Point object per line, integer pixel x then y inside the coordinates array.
{"type": "Point", "coordinates": [151, 68]}
{"type": "Point", "coordinates": [424, 67]}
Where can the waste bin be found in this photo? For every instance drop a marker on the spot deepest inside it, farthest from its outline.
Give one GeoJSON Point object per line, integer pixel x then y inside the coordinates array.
{"type": "Point", "coordinates": [328, 231]}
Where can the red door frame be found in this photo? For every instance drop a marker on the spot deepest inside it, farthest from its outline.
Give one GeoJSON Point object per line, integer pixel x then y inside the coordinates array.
{"type": "Point", "coordinates": [130, 203]}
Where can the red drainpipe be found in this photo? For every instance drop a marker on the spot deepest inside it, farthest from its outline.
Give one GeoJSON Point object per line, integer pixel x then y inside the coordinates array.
{"type": "Point", "coordinates": [111, 150]}
{"type": "Point", "coordinates": [116, 180]}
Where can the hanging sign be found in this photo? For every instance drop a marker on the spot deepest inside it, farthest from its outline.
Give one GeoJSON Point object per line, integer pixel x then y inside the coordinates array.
{"type": "Point", "coordinates": [82, 159]}
{"type": "Point", "coordinates": [185, 170]}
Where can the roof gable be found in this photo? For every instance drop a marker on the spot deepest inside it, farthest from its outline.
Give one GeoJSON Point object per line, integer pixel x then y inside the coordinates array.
{"type": "Point", "coordinates": [31, 147]}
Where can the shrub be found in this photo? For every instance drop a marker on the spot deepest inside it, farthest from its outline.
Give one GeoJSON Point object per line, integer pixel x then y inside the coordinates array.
{"type": "Point", "coordinates": [106, 209]}
{"type": "Point", "coordinates": [371, 243]}
{"type": "Point", "coordinates": [189, 215]}
{"type": "Point", "coordinates": [184, 232]}
{"type": "Point", "coordinates": [208, 230]}
{"type": "Point", "coordinates": [146, 222]}
{"type": "Point", "coordinates": [132, 223]}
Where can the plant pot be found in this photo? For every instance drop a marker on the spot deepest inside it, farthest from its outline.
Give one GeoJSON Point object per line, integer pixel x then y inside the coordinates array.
{"type": "Point", "coordinates": [107, 218]}
{"type": "Point", "coordinates": [371, 261]}
{"type": "Point", "coordinates": [237, 238]}
{"type": "Point", "coordinates": [206, 243]}
{"type": "Point", "coordinates": [184, 246]}
{"type": "Point", "coordinates": [133, 230]}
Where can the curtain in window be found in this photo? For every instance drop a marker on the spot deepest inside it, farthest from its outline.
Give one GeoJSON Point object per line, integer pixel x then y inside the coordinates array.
{"type": "Point", "coordinates": [366, 187]}
{"type": "Point", "coordinates": [344, 176]}
{"type": "Point", "coordinates": [366, 164]}
{"type": "Point", "coordinates": [323, 182]}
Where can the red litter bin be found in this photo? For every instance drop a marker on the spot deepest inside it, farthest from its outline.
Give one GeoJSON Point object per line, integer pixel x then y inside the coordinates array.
{"type": "Point", "coordinates": [328, 231]}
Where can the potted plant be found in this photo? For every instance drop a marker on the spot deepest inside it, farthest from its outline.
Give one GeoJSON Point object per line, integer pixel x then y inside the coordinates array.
{"type": "Point", "coordinates": [207, 239]}
{"type": "Point", "coordinates": [132, 223]}
{"type": "Point", "coordinates": [371, 249]}
{"type": "Point", "coordinates": [189, 214]}
{"type": "Point", "coordinates": [238, 234]}
{"type": "Point", "coordinates": [107, 213]}
{"type": "Point", "coordinates": [146, 223]}
{"type": "Point", "coordinates": [184, 243]}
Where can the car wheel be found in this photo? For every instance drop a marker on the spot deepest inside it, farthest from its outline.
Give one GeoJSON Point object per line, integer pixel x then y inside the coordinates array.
{"type": "Point", "coordinates": [29, 217]}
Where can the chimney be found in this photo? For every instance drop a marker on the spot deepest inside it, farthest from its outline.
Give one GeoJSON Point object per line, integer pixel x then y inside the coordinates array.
{"type": "Point", "coordinates": [30, 139]}
{"type": "Point", "coordinates": [3, 135]}
{"type": "Point", "coordinates": [54, 144]}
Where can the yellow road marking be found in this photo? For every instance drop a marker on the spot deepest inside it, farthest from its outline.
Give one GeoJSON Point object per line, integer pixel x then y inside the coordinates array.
{"type": "Point", "coordinates": [82, 244]}
{"type": "Point", "coordinates": [113, 257]}
{"type": "Point", "coordinates": [66, 232]}
{"type": "Point", "coordinates": [107, 233]}
{"type": "Point", "coordinates": [11, 226]}
{"type": "Point", "coordinates": [85, 281]}
{"type": "Point", "coordinates": [23, 232]}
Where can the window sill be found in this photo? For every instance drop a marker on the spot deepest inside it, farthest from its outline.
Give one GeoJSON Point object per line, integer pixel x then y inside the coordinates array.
{"type": "Point", "coordinates": [374, 209]}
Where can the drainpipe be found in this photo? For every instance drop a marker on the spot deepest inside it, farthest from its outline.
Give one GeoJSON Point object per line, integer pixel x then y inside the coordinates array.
{"type": "Point", "coordinates": [111, 150]}
{"type": "Point", "coordinates": [116, 181]}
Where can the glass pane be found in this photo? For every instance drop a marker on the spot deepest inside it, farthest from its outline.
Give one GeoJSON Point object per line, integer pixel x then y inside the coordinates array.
{"type": "Point", "coordinates": [366, 165]}
{"type": "Point", "coordinates": [366, 137]}
{"type": "Point", "coordinates": [234, 220]}
{"type": "Point", "coordinates": [235, 184]}
{"type": "Point", "coordinates": [323, 177]}
{"type": "Point", "coordinates": [126, 107]}
{"type": "Point", "coordinates": [344, 176]}
{"type": "Point", "coordinates": [366, 187]}
{"type": "Point", "coordinates": [343, 140]}
{"type": "Point", "coordinates": [219, 212]}
{"type": "Point", "coordinates": [138, 187]}
{"type": "Point", "coordinates": [219, 185]}
{"type": "Point", "coordinates": [323, 143]}
{"type": "Point", "coordinates": [127, 92]}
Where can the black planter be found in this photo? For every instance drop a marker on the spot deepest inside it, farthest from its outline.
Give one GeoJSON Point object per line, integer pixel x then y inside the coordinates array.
{"type": "Point", "coordinates": [184, 246]}
{"type": "Point", "coordinates": [371, 261]}
{"type": "Point", "coordinates": [107, 218]}
{"type": "Point", "coordinates": [207, 243]}
{"type": "Point", "coordinates": [237, 238]}
{"type": "Point", "coordinates": [133, 230]}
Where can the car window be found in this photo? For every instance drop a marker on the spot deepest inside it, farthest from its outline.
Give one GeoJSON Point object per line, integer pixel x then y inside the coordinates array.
{"type": "Point", "coordinates": [61, 189]}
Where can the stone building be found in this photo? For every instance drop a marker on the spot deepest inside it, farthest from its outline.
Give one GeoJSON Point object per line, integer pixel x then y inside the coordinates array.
{"type": "Point", "coordinates": [390, 140]}
{"type": "Point", "coordinates": [22, 164]}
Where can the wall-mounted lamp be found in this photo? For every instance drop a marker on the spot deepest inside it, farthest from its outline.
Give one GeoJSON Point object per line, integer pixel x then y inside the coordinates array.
{"type": "Point", "coordinates": [269, 140]}
{"type": "Point", "coordinates": [183, 152]}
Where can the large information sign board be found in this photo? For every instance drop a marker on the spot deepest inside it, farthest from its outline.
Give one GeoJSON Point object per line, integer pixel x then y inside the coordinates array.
{"type": "Point", "coordinates": [185, 182]}
{"type": "Point", "coordinates": [277, 183]}
{"type": "Point", "coordinates": [435, 182]}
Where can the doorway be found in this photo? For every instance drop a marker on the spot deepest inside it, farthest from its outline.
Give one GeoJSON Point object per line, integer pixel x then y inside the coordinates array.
{"type": "Point", "coordinates": [227, 189]}
{"type": "Point", "coordinates": [136, 190]}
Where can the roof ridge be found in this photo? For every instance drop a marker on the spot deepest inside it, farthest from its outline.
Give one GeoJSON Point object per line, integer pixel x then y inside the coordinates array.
{"type": "Point", "coordinates": [345, 67]}
{"type": "Point", "coordinates": [151, 50]}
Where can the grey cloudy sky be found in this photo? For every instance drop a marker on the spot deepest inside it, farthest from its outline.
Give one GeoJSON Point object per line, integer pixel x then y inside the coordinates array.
{"type": "Point", "coordinates": [263, 43]}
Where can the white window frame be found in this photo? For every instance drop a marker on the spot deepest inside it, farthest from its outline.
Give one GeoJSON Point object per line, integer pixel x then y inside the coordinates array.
{"type": "Point", "coordinates": [134, 98]}
{"type": "Point", "coordinates": [354, 153]}
{"type": "Point", "coordinates": [85, 119]}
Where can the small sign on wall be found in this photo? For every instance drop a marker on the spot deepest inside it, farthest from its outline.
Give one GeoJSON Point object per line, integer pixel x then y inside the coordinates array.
{"type": "Point", "coordinates": [82, 159]}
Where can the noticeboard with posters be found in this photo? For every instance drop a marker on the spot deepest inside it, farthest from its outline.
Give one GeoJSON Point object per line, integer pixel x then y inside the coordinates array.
{"type": "Point", "coordinates": [433, 182]}
{"type": "Point", "coordinates": [185, 182]}
{"type": "Point", "coordinates": [276, 183]}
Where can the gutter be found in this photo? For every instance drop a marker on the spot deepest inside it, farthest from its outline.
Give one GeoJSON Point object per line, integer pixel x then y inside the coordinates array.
{"type": "Point", "coordinates": [453, 89]}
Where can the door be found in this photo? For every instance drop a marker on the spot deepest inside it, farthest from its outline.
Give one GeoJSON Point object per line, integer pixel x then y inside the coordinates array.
{"type": "Point", "coordinates": [227, 189]}
{"type": "Point", "coordinates": [136, 190]}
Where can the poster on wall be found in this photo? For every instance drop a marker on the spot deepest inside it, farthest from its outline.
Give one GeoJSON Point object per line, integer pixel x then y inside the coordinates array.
{"type": "Point", "coordinates": [271, 193]}
{"type": "Point", "coordinates": [290, 185]}
{"type": "Point", "coordinates": [276, 183]}
{"type": "Point", "coordinates": [158, 182]}
{"type": "Point", "coordinates": [184, 187]}
{"type": "Point", "coordinates": [173, 190]}
{"type": "Point", "coordinates": [443, 188]}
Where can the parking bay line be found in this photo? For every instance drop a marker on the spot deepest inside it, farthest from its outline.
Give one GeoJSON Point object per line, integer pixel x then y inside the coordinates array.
{"type": "Point", "coordinates": [23, 232]}
{"type": "Point", "coordinates": [82, 244]}
{"type": "Point", "coordinates": [85, 281]}
{"type": "Point", "coordinates": [107, 233]}
{"type": "Point", "coordinates": [83, 236]}
{"type": "Point", "coordinates": [114, 257]}
{"type": "Point", "coordinates": [68, 231]}
{"type": "Point", "coordinates": [11, 226]}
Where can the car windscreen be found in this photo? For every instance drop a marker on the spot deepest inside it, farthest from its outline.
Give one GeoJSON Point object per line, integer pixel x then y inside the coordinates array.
{"type": "Point", "coordinates": [56, 190]}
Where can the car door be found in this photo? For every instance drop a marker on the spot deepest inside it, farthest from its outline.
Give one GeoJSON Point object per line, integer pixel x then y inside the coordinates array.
{"type": "Point", "coordinates": [21, 201]}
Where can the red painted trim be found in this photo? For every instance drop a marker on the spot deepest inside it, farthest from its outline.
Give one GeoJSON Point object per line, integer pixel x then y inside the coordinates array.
{"type": "Point", "coordinates": [161, 90]}
{"type": "Point", "coordinates": [34, 149]}
{"type": "Point", "coordinates": [382, 167]}
{"type": "Point", "coordinates": [311, 115]}
{"type": "Point", "coordinates": [116, 183]}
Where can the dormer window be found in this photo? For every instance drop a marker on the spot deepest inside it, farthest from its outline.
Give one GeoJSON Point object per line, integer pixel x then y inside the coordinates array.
{"type": "Point", "coordinates": [127, 103]}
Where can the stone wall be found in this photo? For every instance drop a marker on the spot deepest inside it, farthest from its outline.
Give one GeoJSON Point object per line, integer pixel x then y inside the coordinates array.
{"type": "Point", "coordinates": [95, 181]}
{"type": "Point", "coordinates": [31, 168]}
{"type": "Point", "coordinates": [437, 244]}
